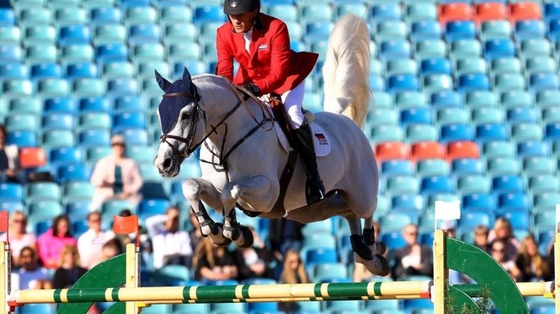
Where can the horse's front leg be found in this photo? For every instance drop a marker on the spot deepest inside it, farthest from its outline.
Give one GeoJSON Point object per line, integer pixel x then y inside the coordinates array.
{"type": "Point", "coordinates": [256, 192]}
{"type": "Point", "coordinates": [196, 191]}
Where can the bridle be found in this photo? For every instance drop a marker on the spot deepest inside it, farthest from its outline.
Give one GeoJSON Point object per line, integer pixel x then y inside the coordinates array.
{"type": "Point", "coordinates": [176, 154]}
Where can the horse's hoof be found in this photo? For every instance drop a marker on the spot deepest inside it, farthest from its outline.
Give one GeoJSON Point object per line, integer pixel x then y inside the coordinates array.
{"type": "Point", "coordinates": [378, 248]}
{"type": "Point", "coordinates": [217, 238]}
{"type": "Point", "coordinates": [377, 266]}
{"type": "Point", "coordinates": [246, 239]}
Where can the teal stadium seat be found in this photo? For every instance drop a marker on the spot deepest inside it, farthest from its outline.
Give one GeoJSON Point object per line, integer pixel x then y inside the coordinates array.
{"type": "Point", "coordinates": [420, 11]}
{"type": "Point", "coordinates": [39, 34]}
{"type": "Point", "coordinates": [109, 34]}
{"type": "Point", "coordinates": [473, 183]}
{"type": "Point", "coordinates": [469, 65]}
{"type": "Point", "coordinates": [430, 48]}
{"type": "Point", "coordinates": [22, 122]}
{"type": "Point", "coordinates": [452, 115]}
{"type": "Point", "coordinates": [480, 98]}
{"type": "Point", "coordinates": [498, 148]}
{"type": "Point", "coordinates": [389, 30]}
{"type": "Point", "coordinates": [547, 98]}
{"type": "Point", "coordinates": [515, 97]}
{"type": "Point", "coordinates": [505, 65]}
{"type": "Point", "coordinates": [35, 15]}
{"type": "Point", "coordinates": [77, 53]}
{"type": "Point", "coordinates": [10, 34]}
{"type": "Point", "coordinates": [140, 14]}
{"type": "Point", "coordinates": [175, 13]}
{"type": "Point", "coordinates": [25, 105]}
{"type": "Point", "coordinates": [485, 115]}
{"type": "Point", "coordinates": [495, 29]}
{"type": "Point", "coordinates": [66, 15]}
{"type": "Point", "coordinates": [180, 31]}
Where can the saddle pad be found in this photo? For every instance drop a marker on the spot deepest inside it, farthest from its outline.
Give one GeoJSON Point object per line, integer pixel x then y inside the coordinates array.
{"type": "Point", "coordinates": [320, 139]}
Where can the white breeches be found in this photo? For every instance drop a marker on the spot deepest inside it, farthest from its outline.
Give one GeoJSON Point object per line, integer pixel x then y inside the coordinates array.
{"type": "Point", "coordinates": [292, 100]}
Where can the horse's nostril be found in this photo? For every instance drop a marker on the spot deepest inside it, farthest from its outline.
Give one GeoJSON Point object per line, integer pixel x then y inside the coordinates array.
{"type": "Point", "coordinates": [167, 163]}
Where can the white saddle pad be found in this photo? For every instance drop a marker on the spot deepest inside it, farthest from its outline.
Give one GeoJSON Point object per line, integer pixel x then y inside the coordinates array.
{"type": "Point", "coordinates": [320, 139]}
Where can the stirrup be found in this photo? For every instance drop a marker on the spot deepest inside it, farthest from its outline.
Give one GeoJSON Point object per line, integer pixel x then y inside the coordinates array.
{"type": "Point", "coordinates": [314, 191]}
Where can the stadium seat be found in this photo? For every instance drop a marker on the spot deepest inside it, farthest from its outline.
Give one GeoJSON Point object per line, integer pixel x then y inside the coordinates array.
{"type": "Point", "coordinates": [497, 29]}
{"type": "Point", "coordinates": [25, 105]}
{"type": "Point", "coordinates": [409, 99]}
{"type": "Point", "coordinates": [432, 167]}
{"type": "Point", "coordinates": [457, 30]}
{"type": "Point", "coordinates": [513, 201]}
{"type": "Point", "coordinates": [446, 98]}
{"type": "Point", "coordinates": [32, 157]}
{"type": "Point", "coordinates": [455, 12]}
{"type": "Point", "coordinates": [77, 53]}
{"type": "Point", "coordinates": [391, 150]}
{"type": "Point", "coordinates": [396, 167]}
{"type": "Point", "coordinates": [437, 83]}
{"type": "Point", "coordinates": [491, 132]}
{"type": "Point", "coordinates": [526, 132]}
{"type": "Point", "coordinates": [427, 150]}
{"type": "Point", "coordinates": [535, 47]}
{"type": "Point", "coordinates": [56, 138]}
{"type": "Point", "coordinates": [401, 66]}
{"type": "Point", "coordinates": [22, 138]}
{"type": "Point", "coordinates": [45, 70]}
{"type": "Point", "coordinates": [402, 185]}
{"type": "Point", "coordinates": [385, 11]}
{"type": "Point", "coordinates": [390, 30]}
{"type": "Point", "coordinates": [552, 131]}
{"type": "Point", "coordinates": [544, 81]}
{"type": "Point", "coordinates": [478, 202]}
{"type": "Point", "coordinates": [88, 87]}
{"type": "Point", "coordinates": [530, 29]}
{"type": "Point", "coordinates": [106, 15]}
{"type": "Point", "coordinates": [505, 65]}
{"type": "Point", "coordinates": [38, 191]}
{"type": "Point", "coordinates": [498, 148]}
{"type": "Point", "coordinates": [379, 116]}
{"type": "Point", "coordinates": [472, 82]}
{"type": "Point", "coordinates": [462, 149]}
{"type": "Point", "coordinates": [94, 137]}
{"type": "Point", "coordinates": [386, 133]}
{"type": "Point", "coordinates": [479, 98]}
{"type": "Point", "coordinates": [539, 165]}
{"type": "Point", "coordinates": [65, 156]}
{"type": "Point", "coordinates": [466, 166]}
{"type": "Point", "coordinates": [122, 86]}
{"type": "Point", "coordinates": [7, 17]}
{"type": "Point", "coordinates": [471, 219]}
{"type": "Point", "coordinates": [445, 116]}
{"type": "Point", "coordinates": [402, 82]}
{"type": "Point", "coordinates": [542, 183]}
{"type": "Point", "coordinates": [533, 148]}
{"type": "Point", "coordinates": [145, 33]}
{"type": "Point", "coordinates": [502, 166]}
{"type": "Point", "coordinates": [11, 52]}
{"type": "Point", "coordinates": [522, 11]}
{"type": "Point", "coordinates": [142, 14]}
{"type": "Point", "coordinates": [470, 65]}
{"type": "Point", "coordinates": [415, 116]}
{"type": "Point", "coordinates": [550, 115]}
{"type": "Point", "coordinates": [34, 16]}
{"type": "Point", "coordinates": [540, 64]}
{"type": "Point", "coordinates": [435, 66]}
{"type": "Point", "coordinates": [425, 29]}
{"type": "Point", "coordinates": [437, 185]}
{"type": "Point", "coordinates": [515, 97]}
{"type": "Point", "coordinates": [314, 12]}
{"type": "Point", "coordinates": [70, 15]}
{"type": "Point", "coordinates": [456, 132]}
{"type": "Point", "coordinates": [13, 70]}
{"type": "Point", "coordinates": [545, 202]}
{"type": "Point", "coordinates": [394, 48]}
{"type": "Point", "coordinates": [490, 11]}
{"type": "Point", "coordinates": [473, 183]}
{"type": "Point", "coordinates": [22, 122]}
{"type": "Point", "coordinates": [521, 115]}
{"type": "Point", "coordinates": [484, 115]}
{"type": "Point", "coordinates": [39, 34]}
{"type": "Point", "coordinates": [415, 133]}
{"type": "Point", "coordinates": [393, 239]}
{"type": "Point", "coordinates": [430, 48]}
{"type": "Point", "coordinates": [420, 11]}
{"type": "Point", "coordinates": [507, 183]}
{"type": "Point", "coordinates": [498, 48]}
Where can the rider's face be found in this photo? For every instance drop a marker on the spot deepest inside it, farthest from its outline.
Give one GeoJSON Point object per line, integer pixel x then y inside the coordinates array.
{"type": "Point", "coordinates": [242, 22]}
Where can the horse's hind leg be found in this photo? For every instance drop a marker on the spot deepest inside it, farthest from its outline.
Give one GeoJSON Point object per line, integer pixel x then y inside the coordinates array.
{"type": "Point", "coordinates": [196, 190]}
{"type": "Point", "coordinates": [365, 250]}
{"type": "Point", "coordinates": [377, 247]}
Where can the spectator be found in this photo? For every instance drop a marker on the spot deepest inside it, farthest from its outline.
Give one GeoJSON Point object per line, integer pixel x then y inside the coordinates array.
{"type": "Point", "coordinates": [9, 160]}
{"type": "Point", "coordinates": [111, 249]}
{"type": "Point", "coordinates": [31, 275]}
{"type": "Point", "coordinates": [116, 176]}
{"type": "Point", "coordinates": [213, 263]}
{"type": "Point", "coordinates": [360, 272]}
{"type": "Point", "coordinates": [170, 245]}
{"type": "Point", "coordinates": [454, 276]}
{"type": "Point", "coordinates": [498, 252]}
{"type": "Point", "coordinates": [532, 265]}
{"type": "Point", "coordinates": [503, 231]}
{"type": "Point", "coordinates": [51, 242]}
{"type": "Point", "coordinates": [195, 233]}
{"type": "Point", "coordinates": [90, 243]}
{"type": "Point", "coordinates": [285, 234]}
{"type": "Point", "coordinates": [293, 272]}
{"type": "Point", "coordinates": [19, 237]}
{"type": "Point", "coordinates": [254, 261]}
{"type": "Point", "coordinates": [414, 258]}
{"type": "Point", "coordinates": [70, 270]}
{"type": "Point", "coordinates": [481, 238]}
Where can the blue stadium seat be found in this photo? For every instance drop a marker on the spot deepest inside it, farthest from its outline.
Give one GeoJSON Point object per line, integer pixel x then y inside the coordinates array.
{"type": "Point", "coordinates": [472, 82]}
{"type": "Point", "coordinates": [498, 48]}
{"type": "Point", "coordinates": [408, 203]}
{"type": "Point", "coordinates": [435, 66]}
{"type": "Point", "coordinates": [22, 122]}
{"type": "Point", "coordinates": [35, 15]}
{"type": "Point", "coordinates": [13, 70]}
{"type": "Point", "coordinates": [545, 202]}
{"type": "Point", "coordinates": [111, 52]}
{"type": "Point", "coordinates": [456, 132]}
{"type": "Point", "coordinates": [146, 33]}
{"type": "Point", "coordinates": [445, 116]}
{"type": "Point", "coordinates": [409, 99]}
{"type": "Point", "coordinates": [402, 82]}
{"type": "Point", "coordinates": [57, 121]}
{"type": "Point", "coordinates": [419, 115]}
{"type": "Point", "coordinates": [467, 166]}
{"type": "Point", "coordinates": [376, 83]}
{"type": "Point", "coordinates": [471, 219]}
{"type": "Point", "coordinates": [109, 34]}
{"type": "Point", "coordinates": [317, 31]}
{"type": "Point", "coordinates": [521, 115]}
{"type": "Point", "coordinates": [11, 191]}
{"type": "Point", "coordinates": [45, 70]}
{"type": "Point", "coordinates": [533, 148]}
{"type": "Point", "coordinates": [122, 86]}
{"type": "Point", "coordinates": [22, 138]}
{"type": "Point", "coordinates": [60, 104]}
{"type": "Point", "coordinates": [94, 137]}
{"type": "Point", "coordinates": [447, 98]}
{"type": "Point", "coordinates": [491, 132]}
{"type": "Point", "coordinates": [478, 202]}
{"type": "Point", "coordinates": [129, 120]}
{"type": "Point", "coordinates": [551, 11]}
{"type": "Point", "coordinates": [394, 48]}
{"type": "Point", "coordinates": [514, 201]}
{"type": "Point", "coordinates": [529, 29]}
{"type": "Point", "coordinates": [73, 172]}
{"type": "Point", "coordinates": [415, 133]}
{"type": "Point", "coordinates": [402, 185]}
{"type": "Point", "coordinates": [37, 308]}
{"type": "Point", "coordinates": [397, 167]}
{"type": "Point", "coordinates": [10, 52]}
{"type": "Point", "coordinates": [208, 13]}
{"type": "Point", "coordinates": [66, 155]}
{"type": "Point", "coordinates": [544, 81]}
{"type": "Point", "coordinates": [508, 183]}
{"type": "Point", "coordinates": [393, 240]}
{"type": "Point", "coordinates": [77, 53]}
{"type": "Point", "coordinates": [74, 34]}
{"type": "Point", "coordinates": [457, 30]}
{"type": "Point", "coordinates": [58, 138]}
{"type": "Point", "coordinates": [385, 11]}
{"type": "Point", "coordinates": [37, 191]}
{"type": "Point", "coordinates": [437, 185]}
{"type": "Point", "coordinates": [106, 15]}
{"type": "Point", "coordinates": [7, 17]}
{"type": "Point", "coordinates": [425, 29]}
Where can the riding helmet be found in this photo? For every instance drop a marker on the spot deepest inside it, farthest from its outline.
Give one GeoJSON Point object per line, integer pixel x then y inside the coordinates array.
{"type": "Point", "coordinates": [234, 7]}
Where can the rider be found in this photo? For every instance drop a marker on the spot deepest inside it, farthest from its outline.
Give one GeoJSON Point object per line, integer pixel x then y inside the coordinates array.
{"type": "Point", "coordinates": [261, 45]}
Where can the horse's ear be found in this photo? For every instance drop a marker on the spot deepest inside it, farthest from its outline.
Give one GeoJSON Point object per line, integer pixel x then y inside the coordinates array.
{"type": "Point", "coordinates": [162, 82]}
{"type": "Point", "coordinates": [186, 75]}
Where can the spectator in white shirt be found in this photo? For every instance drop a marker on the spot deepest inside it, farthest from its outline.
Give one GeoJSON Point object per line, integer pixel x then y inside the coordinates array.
{"type": "Point", "coordinates": [18, 236]}
{"type": "Point", "coordinates": [170, 245]}
{"type": "Point", "coordinates": [90, 243]}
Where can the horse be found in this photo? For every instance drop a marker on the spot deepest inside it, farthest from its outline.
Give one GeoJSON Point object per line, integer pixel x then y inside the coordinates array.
{"type": "Point", "coordinates": [244, 163]}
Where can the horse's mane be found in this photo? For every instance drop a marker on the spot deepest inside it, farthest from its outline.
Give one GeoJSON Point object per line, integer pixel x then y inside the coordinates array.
{"type": "Point", "coordinates": [346, 69]}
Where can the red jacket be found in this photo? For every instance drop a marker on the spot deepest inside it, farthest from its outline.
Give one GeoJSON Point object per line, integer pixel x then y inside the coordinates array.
{"type": "Point", "coordinates": [271, 65]}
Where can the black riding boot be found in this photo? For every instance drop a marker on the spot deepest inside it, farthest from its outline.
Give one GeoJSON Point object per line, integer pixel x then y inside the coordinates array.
{"type": "Point", "coordinates": [303, 143]}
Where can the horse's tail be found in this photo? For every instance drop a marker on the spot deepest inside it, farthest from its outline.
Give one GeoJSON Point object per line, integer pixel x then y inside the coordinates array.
{"type": "Point", "coordinates": [346, 69]}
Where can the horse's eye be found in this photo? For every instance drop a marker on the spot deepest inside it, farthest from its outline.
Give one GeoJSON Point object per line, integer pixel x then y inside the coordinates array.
{"type": "Point", "coordinates": [185, 115]}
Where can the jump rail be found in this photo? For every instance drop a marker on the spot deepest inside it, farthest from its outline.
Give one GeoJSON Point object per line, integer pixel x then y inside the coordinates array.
{"type": "Point", "coordinates": [117, 280]}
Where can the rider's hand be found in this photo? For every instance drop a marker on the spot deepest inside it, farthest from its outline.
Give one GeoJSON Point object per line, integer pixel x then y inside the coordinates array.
{"type": "Point", "coordinates": [253, 89]}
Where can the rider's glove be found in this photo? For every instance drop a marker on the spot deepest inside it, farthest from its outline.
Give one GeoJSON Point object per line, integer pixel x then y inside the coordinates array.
{"type": "Point", "coordinates": [253, 89]}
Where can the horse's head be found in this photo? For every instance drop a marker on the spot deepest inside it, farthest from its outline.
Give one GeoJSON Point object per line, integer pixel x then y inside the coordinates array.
{"type": "Point", "coordinates": [179, 115]}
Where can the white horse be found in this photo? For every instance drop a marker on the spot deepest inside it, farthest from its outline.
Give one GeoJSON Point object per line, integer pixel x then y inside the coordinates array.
{"type": "Point", "coordinates": [244, 164]}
